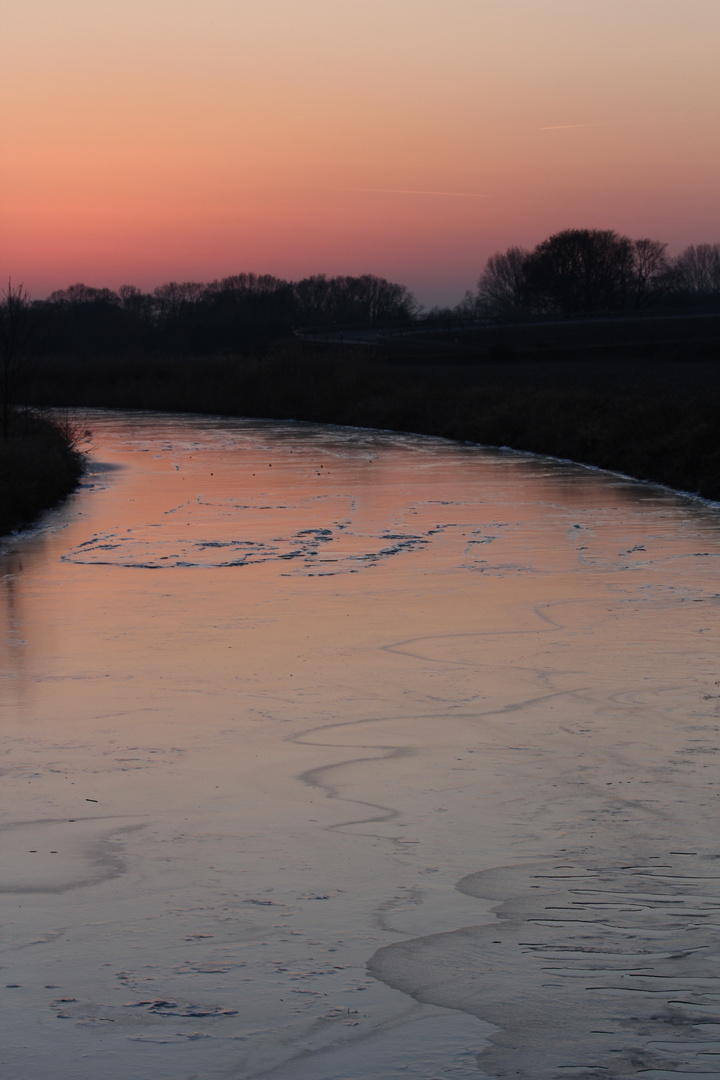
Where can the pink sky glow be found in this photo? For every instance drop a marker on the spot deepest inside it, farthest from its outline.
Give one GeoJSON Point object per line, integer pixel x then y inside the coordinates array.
{"type": "Point", "coordinates": [186, 140]}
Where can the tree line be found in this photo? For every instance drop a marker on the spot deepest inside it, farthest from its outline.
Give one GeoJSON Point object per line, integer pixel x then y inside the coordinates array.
{"type": "Point", "coordinates": [574, 272]}
{"type": "Point", "coordinates": [595, 271]}
{"type": "Point", "coordinates": [244, 311]}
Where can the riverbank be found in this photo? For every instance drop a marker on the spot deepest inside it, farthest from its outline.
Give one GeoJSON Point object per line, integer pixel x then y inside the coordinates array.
{"type": "Point", "coordinates": [39, 465]}
{"type": "Point", "coordinates": [650, 411]}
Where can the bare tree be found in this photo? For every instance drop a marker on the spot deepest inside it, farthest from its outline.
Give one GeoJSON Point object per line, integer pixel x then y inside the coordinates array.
{"type": "Point", "coordinates": [649, 271]}
{"type": "Point", "coordinates": [14, 358]}
{"type": "Point", "coordinates": [136, 303]}
{"type": "Point", "coordinates": [367, 299]}
{"type": "Point", "coordinates": [314, 299]}
{"type": "Point", "coordinates": [581, 270]}
{"type": "Point", "coordinates": [377, 300]}
{"type": "Point", "coordinates": [501, 288]}
{"type": "Point", "coordinates": [171, 298]}
{"type": "Point", "coordinates": [698, 268]}
{"type": "Point", "coordinates": [83, 294]}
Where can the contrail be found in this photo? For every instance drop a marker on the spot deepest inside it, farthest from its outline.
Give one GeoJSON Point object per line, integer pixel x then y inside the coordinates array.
{"type": "Point", "coordinates": [412, 191]}
{"type": "Point", "coordinates": [561, 127]}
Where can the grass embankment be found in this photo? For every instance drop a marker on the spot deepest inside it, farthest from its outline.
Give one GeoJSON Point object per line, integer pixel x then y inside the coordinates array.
{"type": "Point", "coordinates": [648, 409]}
{"type": "Point", "coordinates": [39, 465]}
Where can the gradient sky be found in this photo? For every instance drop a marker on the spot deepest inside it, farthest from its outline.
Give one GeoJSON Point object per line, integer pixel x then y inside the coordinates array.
{"type": "Point", "coordinates": [149, 140]}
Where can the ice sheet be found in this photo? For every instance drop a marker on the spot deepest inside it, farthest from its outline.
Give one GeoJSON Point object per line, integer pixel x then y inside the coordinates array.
{"type": "Point", "coordinates": [340, 754]}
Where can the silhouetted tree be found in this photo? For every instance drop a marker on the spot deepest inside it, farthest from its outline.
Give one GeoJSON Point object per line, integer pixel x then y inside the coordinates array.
{"type": "Point", "coordinates": [138, 309]}
{"type": "Point", "coordinates": [651, 278]}
{"type": "Point", "coordinates": [698, 269]}
{"type": "Point", "coordinates": [170, 299]}
{"type": "Point", "coordinates": [502, 288]}
{"type": "Point", "coordinates": [14, 353]}
{"type": "Point", "coordinates": [314, 300]}
{"type": "Point", "coordinates": [86, 321]}
{"type": "Point", "coordinates": [378, 301]}
{"type": "Point", "coordinates": [84, 294]}
{"type": "Point", "coordinates": [245, 310]}
{"type": "Point", "coordinates": [135, 301]}
{"type": "Point", "coordinates": [367, 300]}
{"type": "Point", "coordinates": [581, 270]}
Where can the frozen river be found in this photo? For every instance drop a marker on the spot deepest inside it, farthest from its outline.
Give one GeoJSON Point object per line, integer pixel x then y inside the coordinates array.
{"type": "Point", "coordinates": [339, 755]}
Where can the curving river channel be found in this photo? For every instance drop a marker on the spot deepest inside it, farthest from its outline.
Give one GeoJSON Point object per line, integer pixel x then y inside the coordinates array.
{"type": "Point", "coordinates": [331, 754]}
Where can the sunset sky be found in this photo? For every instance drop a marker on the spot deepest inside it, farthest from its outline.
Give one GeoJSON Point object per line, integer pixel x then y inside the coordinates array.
{"type": "Point", "coordinates": [149, 140]}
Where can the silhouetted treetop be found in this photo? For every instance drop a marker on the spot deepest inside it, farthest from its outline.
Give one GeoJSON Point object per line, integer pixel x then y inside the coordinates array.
{"type": "Point", "coordinates": [231, 313]}
{"type": "Point", "coordinates": [83, 294]}
{"type": "Point", "coordinates": [573, 272]}
{"type": "Point", "coordinates": [698, 269]}
{"type": "Point", "coordinates": [580, 270]}
{"type": "Point", "coordinates": [502, 285]}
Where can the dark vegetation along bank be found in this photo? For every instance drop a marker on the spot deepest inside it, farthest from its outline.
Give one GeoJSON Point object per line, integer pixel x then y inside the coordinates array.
{"type": "Point", "coordinates": [40, 463]}
{"type": "Point", "coordinates": [648, 404]}
{"type": "Point", "coordinates": [40, 459]}
{"type": "Point", "coordinates": [593, 347]}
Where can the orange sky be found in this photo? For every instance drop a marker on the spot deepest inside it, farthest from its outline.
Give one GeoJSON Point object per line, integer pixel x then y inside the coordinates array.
{"type": "Point", "coordinates": [144, 140]}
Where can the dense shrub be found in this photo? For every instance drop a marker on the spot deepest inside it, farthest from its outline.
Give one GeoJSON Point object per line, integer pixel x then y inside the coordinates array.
{"type": "Point", "coordinates": [40, 463]}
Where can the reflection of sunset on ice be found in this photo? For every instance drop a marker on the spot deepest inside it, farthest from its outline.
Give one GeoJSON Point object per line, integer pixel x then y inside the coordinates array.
{"type": "Point", "coordinates": [338, 753]}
